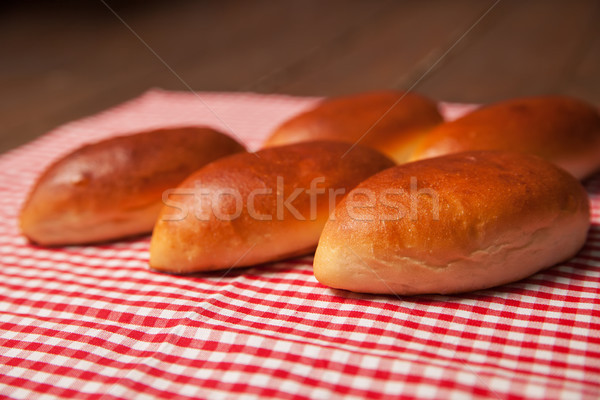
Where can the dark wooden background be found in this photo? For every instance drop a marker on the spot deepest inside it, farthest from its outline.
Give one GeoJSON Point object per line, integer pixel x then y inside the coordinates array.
{"type": "Point", "coordinates": [62, 60]}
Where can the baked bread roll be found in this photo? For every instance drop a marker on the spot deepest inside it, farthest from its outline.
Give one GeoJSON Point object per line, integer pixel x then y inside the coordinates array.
{"type": "Point", "coordinates": [113, 188]}
{"type": "Point", "coordinates": [389, 121]}
{"type": "Point", "coordinates": [453, 224]}
{"type": "Point", "coordinates": [253, 208]}
{"type": "Point", "coordinates": [563, 130]}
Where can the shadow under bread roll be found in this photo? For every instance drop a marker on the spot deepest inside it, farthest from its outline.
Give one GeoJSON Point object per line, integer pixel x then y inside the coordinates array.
{"type": "Point", "coordinates": [389, 121]}
{"type": "Point", "coordinates": [113, 188]}
{"type": "Point", "coordinates": [259, 207]}
{"type": "Point", "coordinates": [453, 224]}
{"type": "Point", "coordinates": [561, 129]}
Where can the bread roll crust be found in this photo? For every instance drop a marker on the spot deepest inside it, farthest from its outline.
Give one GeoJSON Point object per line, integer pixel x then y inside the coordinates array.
{"type": "Point", "coordinates": [469, 221]}
{"type": "Point", "coordinates": [389, 121]}
{"type": "Point", "coordinates": [113, 188]}
{"type": "Point", "coordinates": [561, 129]}
{"type": "Point", "coordinates": [248, 209]}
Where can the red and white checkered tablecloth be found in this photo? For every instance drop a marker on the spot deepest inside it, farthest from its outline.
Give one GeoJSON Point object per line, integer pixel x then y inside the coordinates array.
{"type": "Point", "coordinates": [95, 322]}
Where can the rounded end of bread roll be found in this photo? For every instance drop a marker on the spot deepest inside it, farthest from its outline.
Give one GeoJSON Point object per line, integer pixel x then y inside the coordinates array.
{"type": "Point", "coordinates": [392, 122]}
{"type": "Point", "coordinates": [113, 188]}
{"type": "Point", "coordinates": [183, 247]}
{"type": "Point", "coordinates": [453, 224]}
{"type": "Point", "coordinates": [560, 129]}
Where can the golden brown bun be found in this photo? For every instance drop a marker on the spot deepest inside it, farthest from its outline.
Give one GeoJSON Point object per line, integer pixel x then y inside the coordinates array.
{"type": "Point", "coordinates": [248, 209]}
{"type": "Point", "coordinates": [389, 121]}
{"type": "Point", "coordinates": [500, 217]}
{"type": "Point", "coordinates": [113, 188]}
{"type": "Point", "coordinates": [561, 129]}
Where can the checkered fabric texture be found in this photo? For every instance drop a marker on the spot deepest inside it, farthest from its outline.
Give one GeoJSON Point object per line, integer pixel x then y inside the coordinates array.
{"type": "Point", "coordinates": [93, 322]}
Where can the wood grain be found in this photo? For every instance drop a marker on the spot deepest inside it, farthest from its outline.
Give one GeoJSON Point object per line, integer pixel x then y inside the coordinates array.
{"type": "Point", "coordinates": [66, 59]}
{"type": "Point", "coordinates": [519, 49]}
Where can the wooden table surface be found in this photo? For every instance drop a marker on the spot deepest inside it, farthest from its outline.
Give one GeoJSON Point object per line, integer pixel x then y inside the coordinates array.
{"type": "Point", "coordinates": [63, 60]}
